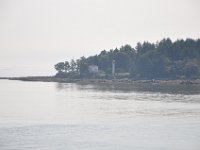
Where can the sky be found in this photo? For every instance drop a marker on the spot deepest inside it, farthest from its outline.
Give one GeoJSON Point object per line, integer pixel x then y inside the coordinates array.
{"type": "Point", "coordinates": [36, 34]}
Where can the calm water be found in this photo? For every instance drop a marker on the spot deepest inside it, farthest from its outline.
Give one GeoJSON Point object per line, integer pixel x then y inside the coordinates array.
{"type": "Point", "coordinates": [52, 116]}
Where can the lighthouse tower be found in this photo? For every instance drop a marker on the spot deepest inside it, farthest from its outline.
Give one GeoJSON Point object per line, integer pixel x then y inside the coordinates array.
{"type": "Point", "coordinates": [113, 68]}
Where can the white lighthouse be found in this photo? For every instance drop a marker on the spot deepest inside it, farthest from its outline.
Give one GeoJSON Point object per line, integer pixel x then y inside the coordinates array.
{"type": "Point", "coordinates": [113, 68]}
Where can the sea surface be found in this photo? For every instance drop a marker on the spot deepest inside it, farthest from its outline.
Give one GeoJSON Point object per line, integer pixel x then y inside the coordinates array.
{"type": "Point", "coordinates": [63, 116]}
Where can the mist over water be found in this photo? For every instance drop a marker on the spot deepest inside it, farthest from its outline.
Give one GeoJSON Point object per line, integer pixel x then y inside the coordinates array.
{"type": "Point", "coordinates": [36, 115]}
{"type": "Point", "coordinates": [26, 70]}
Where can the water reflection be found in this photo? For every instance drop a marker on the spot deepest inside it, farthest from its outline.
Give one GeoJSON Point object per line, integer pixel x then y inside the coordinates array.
{"type": "Point", "coordinates": [185, 89]}
{"type": "Point", "coordinates": [98, 116]}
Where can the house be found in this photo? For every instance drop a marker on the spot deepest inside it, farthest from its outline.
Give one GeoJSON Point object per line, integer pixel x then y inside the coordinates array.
{"type": "Point", "coordinates": [93, 69]}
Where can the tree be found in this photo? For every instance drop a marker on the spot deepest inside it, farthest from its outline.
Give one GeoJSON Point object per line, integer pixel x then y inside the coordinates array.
{"type": "Point", "coordinates": [145, 47]}
{"type": "Point", "coordinates": [82, 66]}
{"type": "Point", "coordinates": [73, 65]}
{"type": "Point", "coordinates": [191, 70]}
{"type": "Point", "coordinates": [60, 66]}
{"type": "Point", "coordinates": [122, 61]}
{"type": "Point", "coordinates": [104, 62]}
{"type": "Point", "coordinates": [83, 69]}
{"type": "Point", "coordinates": [165, 47]}
{"type": "Point", "coordinates": [128, 50]}
{"type": "Point", "coordinates": [92, 60]}
{"type": "Point", "coordinates": [67, 67]}
{"type": "Point", "coordinates": [152, 65]}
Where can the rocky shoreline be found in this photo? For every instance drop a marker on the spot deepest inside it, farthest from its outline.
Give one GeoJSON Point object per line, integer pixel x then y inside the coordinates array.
{"type": "Point", "coordinates": [127, 81]}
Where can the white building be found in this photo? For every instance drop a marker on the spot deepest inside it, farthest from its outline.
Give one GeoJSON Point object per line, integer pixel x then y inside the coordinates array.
{"type": "Point", "coordinates": [93, 69]}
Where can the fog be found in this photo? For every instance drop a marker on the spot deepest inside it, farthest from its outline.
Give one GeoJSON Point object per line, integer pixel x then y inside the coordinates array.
{"type": "Point", "coordinates": [36, 34]}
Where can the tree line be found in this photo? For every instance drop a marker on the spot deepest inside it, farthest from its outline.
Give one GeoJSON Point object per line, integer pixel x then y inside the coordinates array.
{"type": "Point", "coordinates": [162, 60]}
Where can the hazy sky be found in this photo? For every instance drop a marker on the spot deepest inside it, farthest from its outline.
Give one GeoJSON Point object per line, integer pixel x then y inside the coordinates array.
{"type": "Point", "coordinates": [38, 33]}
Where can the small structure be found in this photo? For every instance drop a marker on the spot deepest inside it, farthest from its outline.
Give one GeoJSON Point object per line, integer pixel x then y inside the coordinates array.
{"type": "Point", "coordinates": [93, 69]}
{"type": "Point", "coordinates": [113, 68]}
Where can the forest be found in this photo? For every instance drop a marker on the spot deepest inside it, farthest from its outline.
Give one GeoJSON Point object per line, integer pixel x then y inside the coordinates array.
{"type": "Point", "coordinates": [161, 60]}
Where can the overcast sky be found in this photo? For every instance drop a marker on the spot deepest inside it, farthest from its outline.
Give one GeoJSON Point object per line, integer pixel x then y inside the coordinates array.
{"type": "Point", "coordinates": [39, 33]}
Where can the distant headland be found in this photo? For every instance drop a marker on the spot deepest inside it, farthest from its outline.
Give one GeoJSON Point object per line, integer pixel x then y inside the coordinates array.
{"type": "Point", "coordinates": [164, 61]}
{"type": "Point", "coordinates": [105, 81]}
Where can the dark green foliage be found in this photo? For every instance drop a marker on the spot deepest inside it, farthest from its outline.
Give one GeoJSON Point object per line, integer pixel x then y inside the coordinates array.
{"type": "Point", "coordinates": [145, 47]}
{"type": "Point", "coordinates": [73, 66]}
{"type": "Point", "coordinates": [163, 60]}
{"type": "Point", "coordinates": [93, 60]}
{"type": "Point", "coordinates": [82, 66]}
{"type": "Point", "coordinates": [60, 66]}
{"type": "Point", "coordinates": [104, 62]}
{"type": "Point", "coordinates": [67, 66]}
{"type": "Point", "coordinates": [152, 64]}
{"type": "Point", "coordinates": [191, 70]}
{"type": "Point", "coordinates": [122, 61]}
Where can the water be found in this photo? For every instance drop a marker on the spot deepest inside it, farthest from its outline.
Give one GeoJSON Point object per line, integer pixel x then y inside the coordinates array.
{"type": "Point", "coordinates": [55, 116]}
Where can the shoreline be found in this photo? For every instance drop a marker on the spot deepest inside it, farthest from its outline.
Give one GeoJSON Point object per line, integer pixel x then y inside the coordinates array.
{"type": "Point", "coordinates": [110, 81]}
